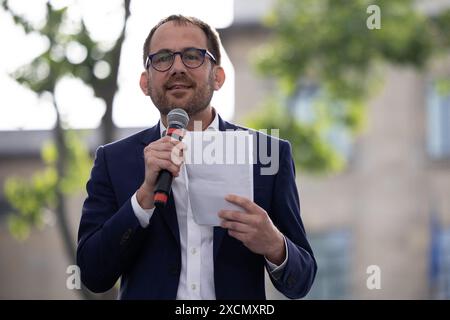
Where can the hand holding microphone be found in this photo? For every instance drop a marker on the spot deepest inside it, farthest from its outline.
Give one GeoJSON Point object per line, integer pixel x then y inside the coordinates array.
{"type": "Point", "coordinates": [162, 162]}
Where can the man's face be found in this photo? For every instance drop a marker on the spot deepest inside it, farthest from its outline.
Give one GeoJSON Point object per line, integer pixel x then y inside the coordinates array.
{"type": "Point", "coordinates": [180, 86]}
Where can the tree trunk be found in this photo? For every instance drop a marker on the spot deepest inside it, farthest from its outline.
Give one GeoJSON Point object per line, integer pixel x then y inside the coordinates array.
{"type": "Point", "coordinates": [107, 88]}
{"type": "Point", "coordinates": [60, 208]}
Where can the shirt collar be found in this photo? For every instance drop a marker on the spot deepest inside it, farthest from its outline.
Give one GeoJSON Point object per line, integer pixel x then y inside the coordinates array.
{"type": "Point", "coordinates": [213, 126]}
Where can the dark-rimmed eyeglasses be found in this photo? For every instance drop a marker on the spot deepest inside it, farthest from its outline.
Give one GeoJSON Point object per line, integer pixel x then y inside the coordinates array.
{"type": "Point", "coordinates": [192, 58]}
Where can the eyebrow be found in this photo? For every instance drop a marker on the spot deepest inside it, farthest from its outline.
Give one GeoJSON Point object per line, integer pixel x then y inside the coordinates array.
{"type": "Point", "coordinates": [170, 50]}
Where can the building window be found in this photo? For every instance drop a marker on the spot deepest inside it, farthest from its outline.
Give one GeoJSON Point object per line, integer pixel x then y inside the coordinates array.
{"type": "Point", "coordinates": [5, 207]}
{"type": "Point", "coordinates": [438, 121]}
{"type": "Point", "coordinates": [332, 252]}
{"type": "Point", "coordinates": [439, 261]}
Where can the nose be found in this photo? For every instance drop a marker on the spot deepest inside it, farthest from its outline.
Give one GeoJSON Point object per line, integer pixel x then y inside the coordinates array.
{"type": "Point", "coordinates": [178, 65]}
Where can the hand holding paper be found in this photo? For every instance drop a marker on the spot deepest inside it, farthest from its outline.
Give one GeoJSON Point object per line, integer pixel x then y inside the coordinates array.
{"type": "Point", "coordinates": [253, 227]}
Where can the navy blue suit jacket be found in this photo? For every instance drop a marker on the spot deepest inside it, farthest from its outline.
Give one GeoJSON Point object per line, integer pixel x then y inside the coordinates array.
{"type": "Point", "coordinates": [112, 244]}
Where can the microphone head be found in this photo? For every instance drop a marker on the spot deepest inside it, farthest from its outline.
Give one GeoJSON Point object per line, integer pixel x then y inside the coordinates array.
{"type": "Point", "coordinates": [177, 118]}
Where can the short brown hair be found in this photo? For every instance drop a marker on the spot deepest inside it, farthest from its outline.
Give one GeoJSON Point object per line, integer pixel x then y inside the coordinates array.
{"type": "Point", "coordinates": [213, 39]}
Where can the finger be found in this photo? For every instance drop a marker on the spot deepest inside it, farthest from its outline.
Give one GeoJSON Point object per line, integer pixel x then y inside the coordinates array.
{"type": "Point", "coordinates": [172, 157]}
{"type": "Point", "coordinates": [176, 159]}
{"type": "Point", "coordinates": [233, 215]}
{"type": "Point", "coordinates": [168, 139]}
{"type": "Point", "coordinates": [238, 235]}
{"type": "Point", "coordinates": [167, 165]}
{"type": "Point", "coordinates": [242, 202]}
{"type": "Point", "coordinates": [177, 155]}
{"type": "Point", "coordinates": [158, 147]}
{"type": "Point", "coordinates": [182, 146]}
{"type": "Point", "coordinates": [235, 226]}
{"type": "Point", "coordinates": [166, 145]}
{"type": "Point", "coordinates": [163, 150]}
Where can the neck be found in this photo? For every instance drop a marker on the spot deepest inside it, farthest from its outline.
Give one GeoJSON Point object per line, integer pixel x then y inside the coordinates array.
{"type": "Point", "coordinates": [199, 121]}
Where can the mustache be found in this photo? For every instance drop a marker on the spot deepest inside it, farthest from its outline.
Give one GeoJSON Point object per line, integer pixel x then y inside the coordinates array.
{"type": "Point", "coordinates": [179, 79]}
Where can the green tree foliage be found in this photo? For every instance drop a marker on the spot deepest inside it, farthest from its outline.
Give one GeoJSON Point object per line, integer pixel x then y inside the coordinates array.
{"type": "Point", "coordinates": [328, 44]}
{"type": "Point", "coordinates": [33, 198]}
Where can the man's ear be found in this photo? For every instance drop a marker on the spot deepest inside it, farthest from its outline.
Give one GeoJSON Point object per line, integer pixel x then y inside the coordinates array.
{"type": "Point", "coordinates": [219, 77]}
{"type": "Point", "coordinates": [143, 82]}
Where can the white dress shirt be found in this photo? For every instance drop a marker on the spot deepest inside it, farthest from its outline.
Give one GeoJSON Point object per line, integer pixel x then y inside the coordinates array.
{"type": "Point", "coordinates": [197, 264]}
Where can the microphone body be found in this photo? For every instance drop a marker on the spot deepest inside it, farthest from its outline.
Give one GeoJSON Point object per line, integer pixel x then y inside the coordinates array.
{"type": "Point", "coordinates": [177, 119]}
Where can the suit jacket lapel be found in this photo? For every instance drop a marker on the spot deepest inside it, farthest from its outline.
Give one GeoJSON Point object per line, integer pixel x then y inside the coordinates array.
{"type": "Point", "coordinates": [150, 135]}
{"type": "Point", "coordinates": [169, 214]}
{"type": "Point", "coordinates": [219, 232]}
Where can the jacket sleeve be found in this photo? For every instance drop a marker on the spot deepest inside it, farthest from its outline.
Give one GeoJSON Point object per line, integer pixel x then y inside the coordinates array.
{"type": "Point", "coordinates": [109, 236]}
{"type": "Point", "coordinates": [300, 270]}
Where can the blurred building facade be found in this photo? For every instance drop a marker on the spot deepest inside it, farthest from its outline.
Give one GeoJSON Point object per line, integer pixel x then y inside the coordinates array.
{"type": "Point", "coordinates": [390, 208]}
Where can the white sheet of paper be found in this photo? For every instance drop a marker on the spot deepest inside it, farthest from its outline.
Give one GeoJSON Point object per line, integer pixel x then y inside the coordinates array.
{"type": "Point", "coordinates": [213, 174]}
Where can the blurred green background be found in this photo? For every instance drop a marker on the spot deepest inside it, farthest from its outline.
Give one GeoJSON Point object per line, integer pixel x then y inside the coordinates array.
{"type": "Point", "coordinates": [360, 88]}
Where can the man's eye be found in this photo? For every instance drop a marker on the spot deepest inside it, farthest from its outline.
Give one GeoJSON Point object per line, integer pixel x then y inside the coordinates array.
{"type": "Point", "coordinates": [164, 57]}
{"type": "Point", "coordinates": [191, 55]}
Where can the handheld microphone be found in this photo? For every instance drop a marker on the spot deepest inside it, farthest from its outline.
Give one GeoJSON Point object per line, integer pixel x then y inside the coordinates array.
{"type": "Point", "coordinates": [176, 119]}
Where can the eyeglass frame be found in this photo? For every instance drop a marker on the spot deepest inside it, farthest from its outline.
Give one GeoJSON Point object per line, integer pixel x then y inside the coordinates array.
{"type": "Point", "coordinates": [204, 53]}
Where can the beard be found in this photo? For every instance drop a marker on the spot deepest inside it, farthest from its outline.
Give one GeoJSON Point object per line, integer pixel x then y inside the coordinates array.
{"type": "Point", "coordinates": [198, 102]}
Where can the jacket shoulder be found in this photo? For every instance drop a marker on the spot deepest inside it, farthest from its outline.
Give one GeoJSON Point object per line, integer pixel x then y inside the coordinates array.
{"type": "Point", "coordinates": [142, 137]}
{"type": "Point", "coordinates": [263, 136]}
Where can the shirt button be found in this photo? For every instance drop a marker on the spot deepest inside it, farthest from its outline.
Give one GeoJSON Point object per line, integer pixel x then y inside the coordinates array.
{"type": "Point", "coordinates": [193, 251]}
{"type": "Point", "coordinates": [193, 286]}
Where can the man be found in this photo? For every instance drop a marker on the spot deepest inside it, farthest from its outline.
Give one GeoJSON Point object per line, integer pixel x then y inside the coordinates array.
{"type": "Point", "coordinates": [163, 253]}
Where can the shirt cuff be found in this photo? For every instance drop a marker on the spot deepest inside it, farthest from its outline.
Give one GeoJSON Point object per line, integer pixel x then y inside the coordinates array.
{"type": "Point", "coordinates": [143, 215]}
{"type": "Point", "coordinates": [274, 270]}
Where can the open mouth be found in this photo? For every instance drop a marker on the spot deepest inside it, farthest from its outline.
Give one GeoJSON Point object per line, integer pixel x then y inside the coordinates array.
{"type": "Point", "coordinates": [178, 87]}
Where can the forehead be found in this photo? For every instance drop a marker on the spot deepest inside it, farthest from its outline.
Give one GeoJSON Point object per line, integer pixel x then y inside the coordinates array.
{"type": "Point", "coordinates": [176, 36]}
